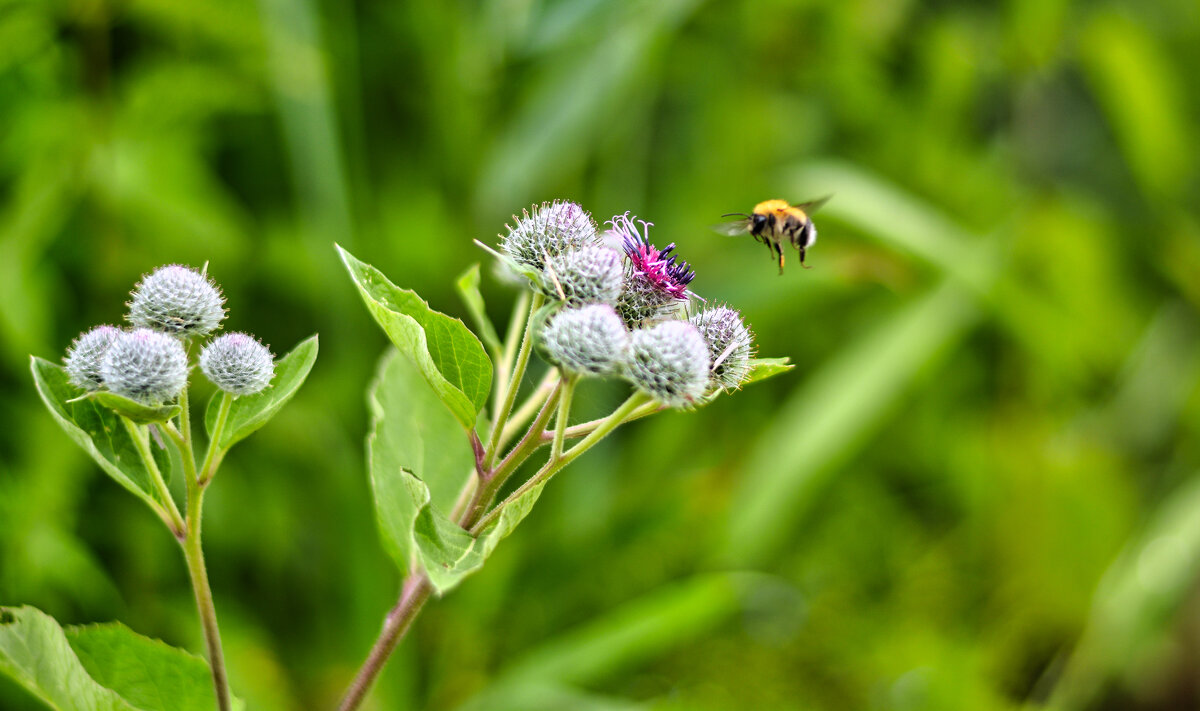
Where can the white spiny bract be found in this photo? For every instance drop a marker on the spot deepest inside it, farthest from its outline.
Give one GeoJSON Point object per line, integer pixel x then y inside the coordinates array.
{"type": "Point", "coordinates": [589, 340]}
{"type": "Point", "coordinates": [177, 300]}
{"type": "Point", "coordinates": [145, 365]}
{"type": "Point", "coordinates": [670, 362]}
{"type": "Point", "coordinates": [730, 345]}
{"type": "Point", "coordinates": [551, 229]}
{"type": "Point", "coordinates": [237, 363]}
{"type": "Point", "coordinates": [85, 355]}
{"type": "Point", "coordinates": [590, 275]}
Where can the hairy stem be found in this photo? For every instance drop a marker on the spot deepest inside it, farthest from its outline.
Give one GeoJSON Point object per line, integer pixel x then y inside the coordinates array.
{"type": "Point", "coordinates": [564, 414]}
{"type": "Point", "coordinates": [194, 555]}
{"type": "Point", "coordinates": [514, 380]}
{"type": "Point", "coordinates": [487, 488]}
{"type": "Point", "coordinates": [553, 465]}
{"type": "Point", "coordinates": [584, 428]}
{"type": "Point", "coordinates": [412, 597]}
{"type": "Point", "coordinates": [212, 457]}
{"type": "Point", "coordinates": [169, 511]}
{"type": "Point", "coordinates": [527, 409]}
{"type": "Point", "coordinates": [504, 363]}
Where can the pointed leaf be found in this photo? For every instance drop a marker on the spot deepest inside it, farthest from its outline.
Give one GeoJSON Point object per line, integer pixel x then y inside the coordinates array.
{"type": "Point", "coordinates": [35, 653]}
{"type": "Point", "coordinates": [763, 368]}
{"type": "Point", "coordinates": [250, 412]}
{"type": "Point", "coordinates": [419, 461]}
{"type": "Point", "coordinates": [135, 410]}
{"type": "Point", "coordinates": [468, 290]}
{"type": "Point", "coordinates": [94, 427]}
{"type": "Point", "coordinates": [450, 357]}
{"type": "Point", "coordinates": [147, 673]}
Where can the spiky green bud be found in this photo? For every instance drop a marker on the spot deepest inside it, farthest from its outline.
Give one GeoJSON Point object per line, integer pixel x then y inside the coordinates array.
{"type": "Point", "coordinates": [85, 355]}
{"type": "Point", "coordinates": [551, 229]}
{"type": "Point", "coordinates": [730, 345]}
{"type": "Point", "coordinates": [144, 365]}
{"type": "Point", "coordinates": [669, 361]}
{"type": "Point", "coordinates": [589, 340]}
{"type": "Point", "coordinates": [177, 300]}
{"type": "Point", "coordinates": [590, 275]}
{"type": "Point", "coordinates": [238, 363]}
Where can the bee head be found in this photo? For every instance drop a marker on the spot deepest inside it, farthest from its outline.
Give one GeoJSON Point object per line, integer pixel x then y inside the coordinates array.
{"type": "Point", "coordinates": [758, 221]}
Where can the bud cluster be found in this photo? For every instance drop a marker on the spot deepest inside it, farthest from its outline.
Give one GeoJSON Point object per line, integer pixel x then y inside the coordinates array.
{"type": "Point", "coordinates": [624, 312]}
{"type": "Point", "coordinates": [149, 363]}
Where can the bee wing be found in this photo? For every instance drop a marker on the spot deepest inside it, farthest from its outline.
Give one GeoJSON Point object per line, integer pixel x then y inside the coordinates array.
{"type": "Point", "coordinates": [732, 228]}
{"type": "Point", "coordinates": [813, 205]}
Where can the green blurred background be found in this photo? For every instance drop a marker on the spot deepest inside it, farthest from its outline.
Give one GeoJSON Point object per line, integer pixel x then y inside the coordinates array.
{"type": "Point", "coordinates": [977, 490]}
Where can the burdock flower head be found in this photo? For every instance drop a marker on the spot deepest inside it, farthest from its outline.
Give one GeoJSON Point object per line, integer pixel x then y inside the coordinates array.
{"type": "Point", "coordinates": [177, 300]}
{"type": "Point", "coordinates": [589, 340]}
{"type": "Point", "coordinates": [669, 361]}
{"type": "Point", "coordinates": [146, 366]}
{"type": "Point", "coordinates": [238, 364]}
{"type": "Point", "coordinates": [730, 345]}
{"type": "Point", "coordinates": [591, 275]}
{"type": "Point", "coordinates": [85, 355]}
{"type": "Point", "coordinates": [656, 281]}
{"type": "Point", "coordinates": [551, 229]}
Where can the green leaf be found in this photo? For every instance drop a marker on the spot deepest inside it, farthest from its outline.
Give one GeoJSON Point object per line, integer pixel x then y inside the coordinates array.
{"type": "Point", "coordinates": [147, 673]}
{"type": "Point", "coordinates": [449, 356]}
{"type": "Point", "coordinates": [419, 462]}
{"type": "Point", "coordinates": [95, 428]}
{"type": "Point", "coordinates": [100, 667]}
{"type": "Point", "coordinates": [468, 290]}
{"type": "Point", "coordinates": [418, 458]}
{"type": "Point", "coordinates": [248, 413]}
{"type": "Point", "coordinates": [35, 653]}
{"type": "Point", "coordinates": [135, 410]}
{"type": "Point", "coordinates": [763, 368]}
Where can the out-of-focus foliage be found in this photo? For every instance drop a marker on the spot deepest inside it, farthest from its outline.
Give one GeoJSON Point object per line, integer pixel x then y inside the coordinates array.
{"type": "Point", "coordinates": [976, 491]}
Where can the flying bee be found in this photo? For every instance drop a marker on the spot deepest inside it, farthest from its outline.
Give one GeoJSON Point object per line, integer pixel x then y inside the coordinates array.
{"type": "Point", "coordinates": [773, 221]}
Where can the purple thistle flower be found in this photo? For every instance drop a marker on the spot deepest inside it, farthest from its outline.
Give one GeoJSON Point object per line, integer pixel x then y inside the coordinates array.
{"type": "Point", "coordinates": [663, 270]}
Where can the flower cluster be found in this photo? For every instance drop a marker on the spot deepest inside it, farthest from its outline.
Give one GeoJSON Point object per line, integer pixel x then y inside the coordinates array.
{"type": "Point", "coordinates": [149, 363]}
{"type": "Point", "coordinates": [625, 312]}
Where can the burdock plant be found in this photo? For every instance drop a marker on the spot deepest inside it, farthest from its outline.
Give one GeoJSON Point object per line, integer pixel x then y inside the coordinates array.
{"type": "Point", "coordinates": [453, 421]}
{"type": "Point", "coordinates": [123, 397]}
{"type": "Point", "coordinates": [589, 311]}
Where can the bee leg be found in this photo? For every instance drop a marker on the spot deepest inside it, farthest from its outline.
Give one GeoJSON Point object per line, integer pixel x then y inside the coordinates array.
{"type": "Point", "coordinates": [779, 252]}
{"type": "Point", "coordinates": [802, 259]}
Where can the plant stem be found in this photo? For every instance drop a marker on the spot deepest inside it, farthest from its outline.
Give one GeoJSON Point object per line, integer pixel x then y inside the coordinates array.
{"type": "Point", "coordinates": [194, 555]}
{"type": "Point", "coordinates": [514, 381]}
{"type": "Point", "coordinates": [488, 486]}
{"type": "Point", "coordinates": [528, 408]}
{"type": "Point", "coordinates": [169, 512]}
{"type": "Point", "coordinates": [415, 592]}
{"type": "Point", "coordinates": [553, 466]}
{"type": "Point", "coordinates": [564, 414]}
{"type": "Point", "coordinates": [584, 428]}
{"type": "Point", "coordinates": [212, 457]}
{"type": "Point", "coordinates": [504, 363]}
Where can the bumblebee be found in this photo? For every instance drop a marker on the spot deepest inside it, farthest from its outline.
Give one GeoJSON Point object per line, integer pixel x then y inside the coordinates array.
{"type": "Point", "coordinates": [773, 221]}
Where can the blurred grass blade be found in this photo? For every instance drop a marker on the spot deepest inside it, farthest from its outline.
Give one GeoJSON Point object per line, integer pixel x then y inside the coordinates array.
{"type": "Point", "coordinates": [549, 697]}
{"type": "Point", "coordinates": [1143, 96]}
{"type": "Point", "coordinates": [1133, 611]}
{"type": "Point", "coordinates": [551, 130]}
{"type": "Point", "coordinates": [633, 634]}
{"type": "Point", "coordinates": [827, 419]}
